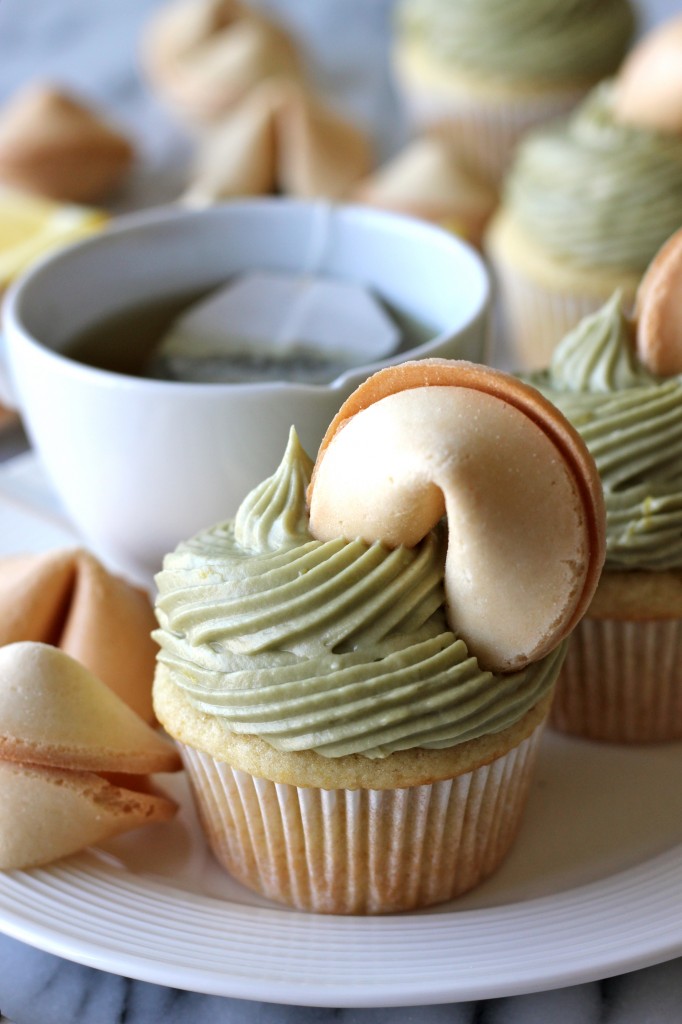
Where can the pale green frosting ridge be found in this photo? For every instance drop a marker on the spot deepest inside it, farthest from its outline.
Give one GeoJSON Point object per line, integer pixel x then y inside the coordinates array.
{"type": "Point", "coordinates": [553, 41]}
{"type": "Point", "coordinates": [595, 192]}
{"type": "Point", "coordinates": [335, 646]}
{"type": "Point", "coordinates": [631, 422]}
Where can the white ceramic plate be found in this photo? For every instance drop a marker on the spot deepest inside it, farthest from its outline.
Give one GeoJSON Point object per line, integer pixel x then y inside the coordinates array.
{"type": "Point", "coordinates": [590, 889]}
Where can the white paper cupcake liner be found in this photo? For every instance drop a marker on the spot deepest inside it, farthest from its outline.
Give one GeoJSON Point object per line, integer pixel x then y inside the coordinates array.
{"type": "Point", "coordinates": [622, 682]}
{"type": "Point", "coordinates": [484, 129]}
{"type": "Point", "coordinates": [533, 318]}
{"type": "Point", "coordinates": [362, 851]}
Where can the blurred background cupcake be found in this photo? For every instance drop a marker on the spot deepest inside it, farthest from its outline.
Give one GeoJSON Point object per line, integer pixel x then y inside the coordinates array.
{"type": "Point", "coordinates": [589, 199]}
{"type": "Point", "coordinates": [622, 678]}
{"type": "Point", "coordinates": [308, 763]}
{"type": "Point", "coordinates": [486, 71]}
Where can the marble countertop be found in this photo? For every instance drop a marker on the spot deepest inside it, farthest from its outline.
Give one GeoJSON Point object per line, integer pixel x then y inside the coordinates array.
{"type": "Point", "coordinates": [91, 46]}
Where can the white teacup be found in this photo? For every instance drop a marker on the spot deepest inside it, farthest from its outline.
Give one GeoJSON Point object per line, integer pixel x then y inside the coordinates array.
{"type": "Point", "coordinates": [140, 464]}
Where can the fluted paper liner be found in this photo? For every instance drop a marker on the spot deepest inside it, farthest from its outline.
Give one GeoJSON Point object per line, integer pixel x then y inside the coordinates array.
{"type": "Point", "coordinates": [362, 851]}
{"type": "Point", "coordinates": [535, 319]}
{"type": "Point", "coordinates": [68, 599]}
{"type": "Point", "coordinates": [485, 128]}
{"type": "Point", "coordinates": [622, 681]}
{"type": "Point", "coordinates": [541, 298]}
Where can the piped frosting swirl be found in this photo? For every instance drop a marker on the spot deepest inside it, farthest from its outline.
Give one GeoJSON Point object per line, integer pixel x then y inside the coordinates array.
{"type": "Point", "coordinates": [631, 422]}
{"type": "Point", "coordinates": [596, 192]}
{"type": "Point", "coordinates": [335, 646]}
{"type": "Point", "coordinates": [526, 40]}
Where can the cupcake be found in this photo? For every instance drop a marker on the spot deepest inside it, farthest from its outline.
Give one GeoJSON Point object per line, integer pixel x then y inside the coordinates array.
{"type": "Point", "coordinates": [587, 203]}
{"type": "Point", "coordinates": [359, 717]}
{"type": "Point", "coordinates": [622, 678]}
{"type": "Point", "coordinates": [485, 72]}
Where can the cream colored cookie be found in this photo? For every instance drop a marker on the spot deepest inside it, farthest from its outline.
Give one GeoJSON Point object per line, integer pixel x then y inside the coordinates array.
{"type": "Point", "coordinates": [280, 138]}
{"type": "Point", "coordinates": [67, 598]}
{"type": "Point", "coordinates": [54, 712]}
{"type": "Point", "coordinates": [54, 145]}
{"type": "Point", "coordinates": [73, 759]}
{"type": "Point", "coordinates": [658, 310]}
{"type": "Point", "coordinates": [648, 90]}
{"type": "Point", "coordinates": [48, 813]}
{"type": "Point", "coordinates": [524, 504]}
{"type": "Point", "coordinates": [427, 179]}
{"type": "Point", "coordinates": [205, 55]}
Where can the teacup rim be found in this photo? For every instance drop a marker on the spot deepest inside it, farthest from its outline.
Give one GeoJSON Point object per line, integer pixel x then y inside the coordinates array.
{"type": "Point", "coordinates": [141, 219]}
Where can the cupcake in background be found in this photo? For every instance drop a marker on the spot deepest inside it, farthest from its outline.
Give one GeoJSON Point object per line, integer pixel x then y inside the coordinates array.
{"type": "Point", "coordinates": [487, 71]}
{"type": "Point", "coordinates": [622, 678]}
{"type": "Point", "coordinates": [589, 200]}
{"type": "Point", "coordinates": [347, 750]}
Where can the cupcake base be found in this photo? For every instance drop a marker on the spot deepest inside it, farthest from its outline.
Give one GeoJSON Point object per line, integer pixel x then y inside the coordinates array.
{"type": "Point", "coordinates": [362, 851]}
{"type": "Point", "coordinates": [621, 681]}
{"type": "Point", "coordinates": [484, 121]}
{"type": "Point", "coordinates": [540, 299]}
{"type": "Point", "coordinates": [351, 835]}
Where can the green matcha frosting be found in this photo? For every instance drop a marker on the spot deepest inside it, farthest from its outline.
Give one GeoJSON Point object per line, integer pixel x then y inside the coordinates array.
{"type": "Point", "coordinates": [631, 422]}
{"type": "Point", "coordinates": [593, 192]}
{"type": "Point", "coordinates": [335, 646]}
{"type": "Point", "coordinates": [555, 41]}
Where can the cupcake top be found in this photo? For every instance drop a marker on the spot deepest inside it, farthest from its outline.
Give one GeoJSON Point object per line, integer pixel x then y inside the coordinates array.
{"type": "Point", "coordinates": [340, 647]}
{"type": "Point", "coordinates": [594, 191]}
{"type": "Point", "coordinates": [516, 40]}
{"type": "Point", "coordinates": [631, 422]}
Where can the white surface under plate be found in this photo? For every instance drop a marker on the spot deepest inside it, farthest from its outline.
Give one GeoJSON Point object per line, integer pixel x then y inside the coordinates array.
{"type": "Point", "coordinates": [591, 888]}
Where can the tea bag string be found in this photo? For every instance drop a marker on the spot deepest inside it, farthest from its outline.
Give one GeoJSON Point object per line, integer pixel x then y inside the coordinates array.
{"type": "Point", "coordinates": [318, 245]}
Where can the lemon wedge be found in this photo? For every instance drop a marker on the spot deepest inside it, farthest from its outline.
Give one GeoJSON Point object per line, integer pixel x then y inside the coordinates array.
{"type": "Point", "coordinates": [30, 226]}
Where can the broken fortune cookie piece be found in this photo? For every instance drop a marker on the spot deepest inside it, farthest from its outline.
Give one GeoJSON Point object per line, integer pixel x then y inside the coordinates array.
{"type": "Point", "coordinates": [62, 733]}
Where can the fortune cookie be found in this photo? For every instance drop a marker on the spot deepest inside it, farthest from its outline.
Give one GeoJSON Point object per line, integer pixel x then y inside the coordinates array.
{"type": "Point", "coordinates": [53, 145]}
{"type": "Point", "coordinates": [73, 759]}
{"type": "Point", "coordinates": [658, 310]}
{"type": "Point", "coordinates": [280, 138]}
{"type": "Point", "coordinates": [428, 180]}
{"type": "Point", "coordinates": [202, 56]}
{"type": "Point", "coordinates": [648, 88]}
{"type": "Point", "coordinates": [524, 504]}
{"type": "Point", "coordinates": [67, 598]}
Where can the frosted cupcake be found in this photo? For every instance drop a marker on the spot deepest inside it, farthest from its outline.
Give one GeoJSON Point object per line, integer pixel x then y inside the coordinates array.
{"type": "Point", "coordinates": [622, 679]}
{"type": "Point", "coordinates": [587, 203]}
{"type": "Point", "coordinates": [348, 751]}
{"type": "Point", "coordinates": [486, 71]}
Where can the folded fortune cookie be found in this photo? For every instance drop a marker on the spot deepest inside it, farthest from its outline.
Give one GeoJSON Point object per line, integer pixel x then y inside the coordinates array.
{"type": "Point", "coordinates": [73, 759]}
{"type": "Point", "coordinates": [67, 598]}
